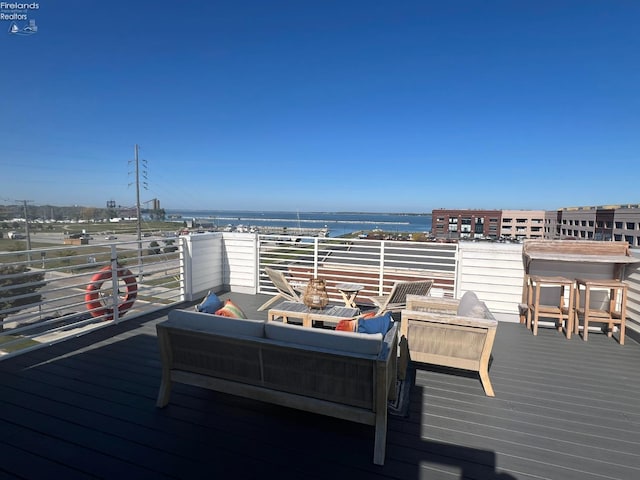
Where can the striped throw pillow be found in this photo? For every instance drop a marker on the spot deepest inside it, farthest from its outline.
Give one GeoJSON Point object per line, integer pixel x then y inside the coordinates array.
{"type": "Point", "coordinates": [230, 309]}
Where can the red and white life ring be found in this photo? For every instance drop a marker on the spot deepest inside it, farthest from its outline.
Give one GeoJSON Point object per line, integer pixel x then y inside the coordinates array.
{"type": "Point", "coordinates": [93, 297]}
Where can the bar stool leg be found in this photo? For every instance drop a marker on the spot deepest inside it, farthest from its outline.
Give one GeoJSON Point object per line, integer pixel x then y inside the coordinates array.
{"type": "Point", "coordinates": [570, 309]}
{"type": "Point", "coordinates": [536, 306]}
{"type": "Point", "coordinates": [561, 307]}
{"type": "Point", "coordinates": [576, 314]}
{"type": "Point", "coordinates": [623, 314]}
{"type": "Point", "coordinates": [587, 303]}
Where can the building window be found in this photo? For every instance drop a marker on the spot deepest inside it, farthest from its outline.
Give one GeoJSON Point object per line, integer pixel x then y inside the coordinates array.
{"type": "Point", "coordinates": [618, 224]}
{"type": "Point", "coordinates": [631, 225]}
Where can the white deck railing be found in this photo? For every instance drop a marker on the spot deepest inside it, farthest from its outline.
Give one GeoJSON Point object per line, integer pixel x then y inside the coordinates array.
{"type": "Point", "coordinates": [236, 261]}
{"type": "Point", "coordinates": [53, 301]}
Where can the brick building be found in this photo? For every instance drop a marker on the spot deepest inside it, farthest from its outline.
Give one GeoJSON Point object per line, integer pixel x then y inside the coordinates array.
{"type": "Point", "coordinates": [463, 224]}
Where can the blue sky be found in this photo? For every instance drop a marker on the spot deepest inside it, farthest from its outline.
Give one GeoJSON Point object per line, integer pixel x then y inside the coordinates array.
{"type": "Point", "coordinates": [323, 105]}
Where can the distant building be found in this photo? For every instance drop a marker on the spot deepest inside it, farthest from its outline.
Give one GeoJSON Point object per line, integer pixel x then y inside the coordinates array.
{"type": "Point", "coordinates": [605, 223]}
{"type": "Point", "coordinates": [465, 224]}
{"type": "Point", "coordinates": [522, 224]}
{"type": "Point", "coordinates": [626, 225]}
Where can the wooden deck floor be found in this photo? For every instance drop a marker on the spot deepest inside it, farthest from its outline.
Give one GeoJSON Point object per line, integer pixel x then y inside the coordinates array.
{"type": "Point", "coordinates": [86, 409]}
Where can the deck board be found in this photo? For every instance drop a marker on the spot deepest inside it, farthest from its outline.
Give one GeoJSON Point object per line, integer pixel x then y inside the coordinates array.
{"type": "Point", "coordinates": [85, 408]}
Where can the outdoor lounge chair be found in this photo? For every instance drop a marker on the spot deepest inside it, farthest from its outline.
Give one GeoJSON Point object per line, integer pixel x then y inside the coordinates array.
{"type": "Point", "coordinates": [284, 288]}
{"type": "Point", "coordinates": [396, 299]}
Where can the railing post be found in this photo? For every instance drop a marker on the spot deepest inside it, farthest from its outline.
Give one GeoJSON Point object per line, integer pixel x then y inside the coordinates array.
{"type": "Point", "coordinates": [114, 283]}
{"type": "Point", "coordinates": [381, 271]}
{"type": "Point", "coordinates": [315, 257]}
{"type": "Point", "coordinates": [186, 252]}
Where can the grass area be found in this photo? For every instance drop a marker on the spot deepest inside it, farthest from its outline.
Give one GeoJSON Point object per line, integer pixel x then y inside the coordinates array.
{"type": "Point", "coordinates": [74, 258]}
{"type": "Point", "coordinates": [95, 228]}
{"type": "Point", "coordinates": [150, 299]}
{"type": "Point", "coordinates": [22, 343]}
{"type": "Point", "coordinates": [165, 282]}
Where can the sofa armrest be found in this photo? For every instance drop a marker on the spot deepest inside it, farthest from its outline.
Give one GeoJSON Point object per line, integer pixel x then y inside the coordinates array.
{"type": "Point", "coordinates": [389, 342]}
{"type": "Point", "coordinates": [488, 323]}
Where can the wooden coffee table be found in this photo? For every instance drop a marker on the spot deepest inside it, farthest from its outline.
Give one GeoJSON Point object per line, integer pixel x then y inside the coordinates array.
{"type": "Point", "coordinates": [297, 310]}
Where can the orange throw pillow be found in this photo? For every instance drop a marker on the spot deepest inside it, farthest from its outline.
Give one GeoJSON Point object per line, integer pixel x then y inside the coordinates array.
{"type": "Point", "coordinates": [347, 325]}
{"type": "Point", "coordinates": [231, 310]}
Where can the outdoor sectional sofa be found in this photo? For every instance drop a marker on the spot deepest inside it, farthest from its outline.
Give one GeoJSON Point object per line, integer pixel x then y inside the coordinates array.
{"type": "Point", "coordinates": [347, 375]}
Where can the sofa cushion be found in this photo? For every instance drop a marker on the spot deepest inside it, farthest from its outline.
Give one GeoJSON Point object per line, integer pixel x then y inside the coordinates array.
{"type": "Point", "coordinates": [347, 325]}
{"type": "Point", "coordinates": [328, 339]}
{"type": "Point", "coordinates": [470, 306]}
{"type": "Point", "coordinates": [206, 322]}
{"type": "Point", "coordinates": [209, 304]}
{"type": "Point", "coordinates": [379, 324]}
{"type": "Point", "coordinates": [231, 310]}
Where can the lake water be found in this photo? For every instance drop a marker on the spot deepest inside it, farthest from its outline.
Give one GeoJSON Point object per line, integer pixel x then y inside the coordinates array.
{"type": "Point", "coordinates": [338, 223]}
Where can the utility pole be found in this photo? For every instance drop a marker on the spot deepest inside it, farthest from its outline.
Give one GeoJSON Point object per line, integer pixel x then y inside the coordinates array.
{"type": "Point", "coordinates": [26, 227]}
{"type": "Point", "coordinates": [138, 209]}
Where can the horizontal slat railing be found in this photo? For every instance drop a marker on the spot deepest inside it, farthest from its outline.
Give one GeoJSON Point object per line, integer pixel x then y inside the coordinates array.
{"type": "Point", "coordinates": [43, 291]}
{"type": "Point", "coordinates": [375, 264]}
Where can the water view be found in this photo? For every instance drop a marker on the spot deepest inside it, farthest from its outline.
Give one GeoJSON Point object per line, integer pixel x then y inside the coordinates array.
{"type": "Point", "coordinates": [338, 223]}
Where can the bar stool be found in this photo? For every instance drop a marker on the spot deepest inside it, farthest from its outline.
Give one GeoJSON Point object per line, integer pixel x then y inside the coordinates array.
{"type": "Point", "coordinates": [553, 306]}
{"type": "Point", "coordinates": [612, 312]}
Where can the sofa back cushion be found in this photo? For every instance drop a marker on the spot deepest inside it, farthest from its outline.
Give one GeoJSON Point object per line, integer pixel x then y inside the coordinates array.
{"type": "Point", "coordinates": [206, 322]}
{"type": "Point", "coordinates": [375, 324]}
{"type": "Point", "coordinates": [362, 343]}
{"type": "Point", "coordinates": [470, 306]}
